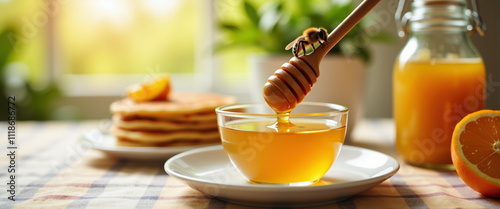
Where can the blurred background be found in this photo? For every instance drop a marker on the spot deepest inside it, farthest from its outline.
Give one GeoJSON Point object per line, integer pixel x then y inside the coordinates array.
{"type": "Point", "coordinates": [69, 59]}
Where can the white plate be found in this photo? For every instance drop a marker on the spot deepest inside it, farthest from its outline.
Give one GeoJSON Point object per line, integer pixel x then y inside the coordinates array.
{"type": "Point", "coordinates": [209, 171]}
{"type": "Point", "coordinates": [105, 142]}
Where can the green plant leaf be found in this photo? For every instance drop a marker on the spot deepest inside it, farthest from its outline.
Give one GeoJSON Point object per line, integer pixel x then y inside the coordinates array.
{"type": "Point", "coordinates": [270, 17]}
{"type": "Point", "coordinates": [228, 26]}
{"type": "Point", "coordinates": [304, 7]}
{"type": "Point", "coordinates": [272, 24]}
{"type": "Point", "coordinates": [6, 46]}
{"type": "Point", "coordinates": [251, 13]}
{"type": "Point", "coordinates": [337, 13]}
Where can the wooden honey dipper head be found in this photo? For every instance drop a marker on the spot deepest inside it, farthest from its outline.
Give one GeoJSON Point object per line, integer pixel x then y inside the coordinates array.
{"type": "Point", "coordinates": [288, 86]}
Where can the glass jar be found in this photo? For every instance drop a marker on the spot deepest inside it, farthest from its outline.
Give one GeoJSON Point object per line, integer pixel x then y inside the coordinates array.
{"type": "Point", "coordinates": [438, 78]}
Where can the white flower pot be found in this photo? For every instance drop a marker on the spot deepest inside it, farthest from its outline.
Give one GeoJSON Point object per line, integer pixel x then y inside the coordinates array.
{"type": "Point", "coordinates": [342, 81]}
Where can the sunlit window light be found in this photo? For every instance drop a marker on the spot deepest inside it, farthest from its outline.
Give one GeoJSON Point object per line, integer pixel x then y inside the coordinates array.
{"type": "Point", "coordinates": [125, 38]}
{"type": "Point", "coordinates": [114, 11]}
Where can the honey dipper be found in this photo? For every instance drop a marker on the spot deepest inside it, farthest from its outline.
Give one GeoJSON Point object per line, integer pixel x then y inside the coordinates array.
{"type": "Point", "coordinates": [293, 81]}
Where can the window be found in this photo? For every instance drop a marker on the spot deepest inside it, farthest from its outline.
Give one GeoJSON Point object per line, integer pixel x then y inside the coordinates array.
{"type": "Point", "coordinates": [100, 42]}
{"type": "Point", "coordinates": [96, 48]}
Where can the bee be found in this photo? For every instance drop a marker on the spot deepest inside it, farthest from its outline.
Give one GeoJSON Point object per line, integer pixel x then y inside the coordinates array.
{"type": "Point", "coordinates": [310, 36]}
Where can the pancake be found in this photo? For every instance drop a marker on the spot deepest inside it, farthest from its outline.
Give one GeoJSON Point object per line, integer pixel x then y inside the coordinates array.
{"type": "Point", "coordinates": [208, 116]}
{"type": "Point", "coordinates": [178, 104]}
{"type": "Point", "coordinates": [154, 124]}
{"type": "Point", "coordinates": [128, 143]}
{"type": "Point", "coordinates": [164, 136]}
{"type": "Point", "coordinates": [185, 119]}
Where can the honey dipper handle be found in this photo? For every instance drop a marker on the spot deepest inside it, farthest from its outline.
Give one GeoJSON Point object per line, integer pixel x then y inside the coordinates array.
{"type": "Point", "coordinates": [339, 32]}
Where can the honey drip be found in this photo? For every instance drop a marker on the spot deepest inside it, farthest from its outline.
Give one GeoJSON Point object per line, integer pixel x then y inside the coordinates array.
{"type": "Point", "coordinates": [283, 123]}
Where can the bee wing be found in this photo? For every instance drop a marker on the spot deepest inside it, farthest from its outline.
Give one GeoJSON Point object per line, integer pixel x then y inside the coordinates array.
{"type": "Point", "coordinates": [290, 45]}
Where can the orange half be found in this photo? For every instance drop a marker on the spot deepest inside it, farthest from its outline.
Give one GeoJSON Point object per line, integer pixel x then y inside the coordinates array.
{"type": "Point", "coordinates": [475, 150]}
{"type": "Point", "coordinates": [157, 89]}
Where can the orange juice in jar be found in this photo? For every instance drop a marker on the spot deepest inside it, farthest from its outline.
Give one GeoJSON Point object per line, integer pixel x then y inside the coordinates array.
{"type": "Point", "coordinates": [438, 78]}
{"type": "Point", "coordinates": [429, 99]}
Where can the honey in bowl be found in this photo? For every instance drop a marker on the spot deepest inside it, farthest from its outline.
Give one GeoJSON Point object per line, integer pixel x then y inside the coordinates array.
{"type": "Point", "coordinates": [296, 152]}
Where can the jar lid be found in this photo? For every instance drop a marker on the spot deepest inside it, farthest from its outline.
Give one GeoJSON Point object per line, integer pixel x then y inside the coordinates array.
{"type": "Point", "coordinates": [439, 14]}
{"type": "Point", "coordinates": [439, 2]}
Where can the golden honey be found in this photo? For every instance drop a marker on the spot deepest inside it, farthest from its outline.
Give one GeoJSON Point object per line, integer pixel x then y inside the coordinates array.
{"type": "Point", "coordinates": [269, 152]}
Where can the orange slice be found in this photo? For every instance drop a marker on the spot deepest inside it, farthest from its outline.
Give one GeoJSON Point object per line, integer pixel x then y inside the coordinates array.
{"type": "Point", "coordinates": [475, 151]}
{"type": "Point", "coordinates": [157, 89]}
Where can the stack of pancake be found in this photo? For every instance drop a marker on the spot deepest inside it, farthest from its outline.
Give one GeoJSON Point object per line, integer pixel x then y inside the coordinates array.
{"type": "Point", "coordinates": [183, 119]}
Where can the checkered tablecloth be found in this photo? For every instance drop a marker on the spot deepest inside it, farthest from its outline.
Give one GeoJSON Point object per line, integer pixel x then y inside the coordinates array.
{"type": "Point", "coordinates": [54, 170]}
